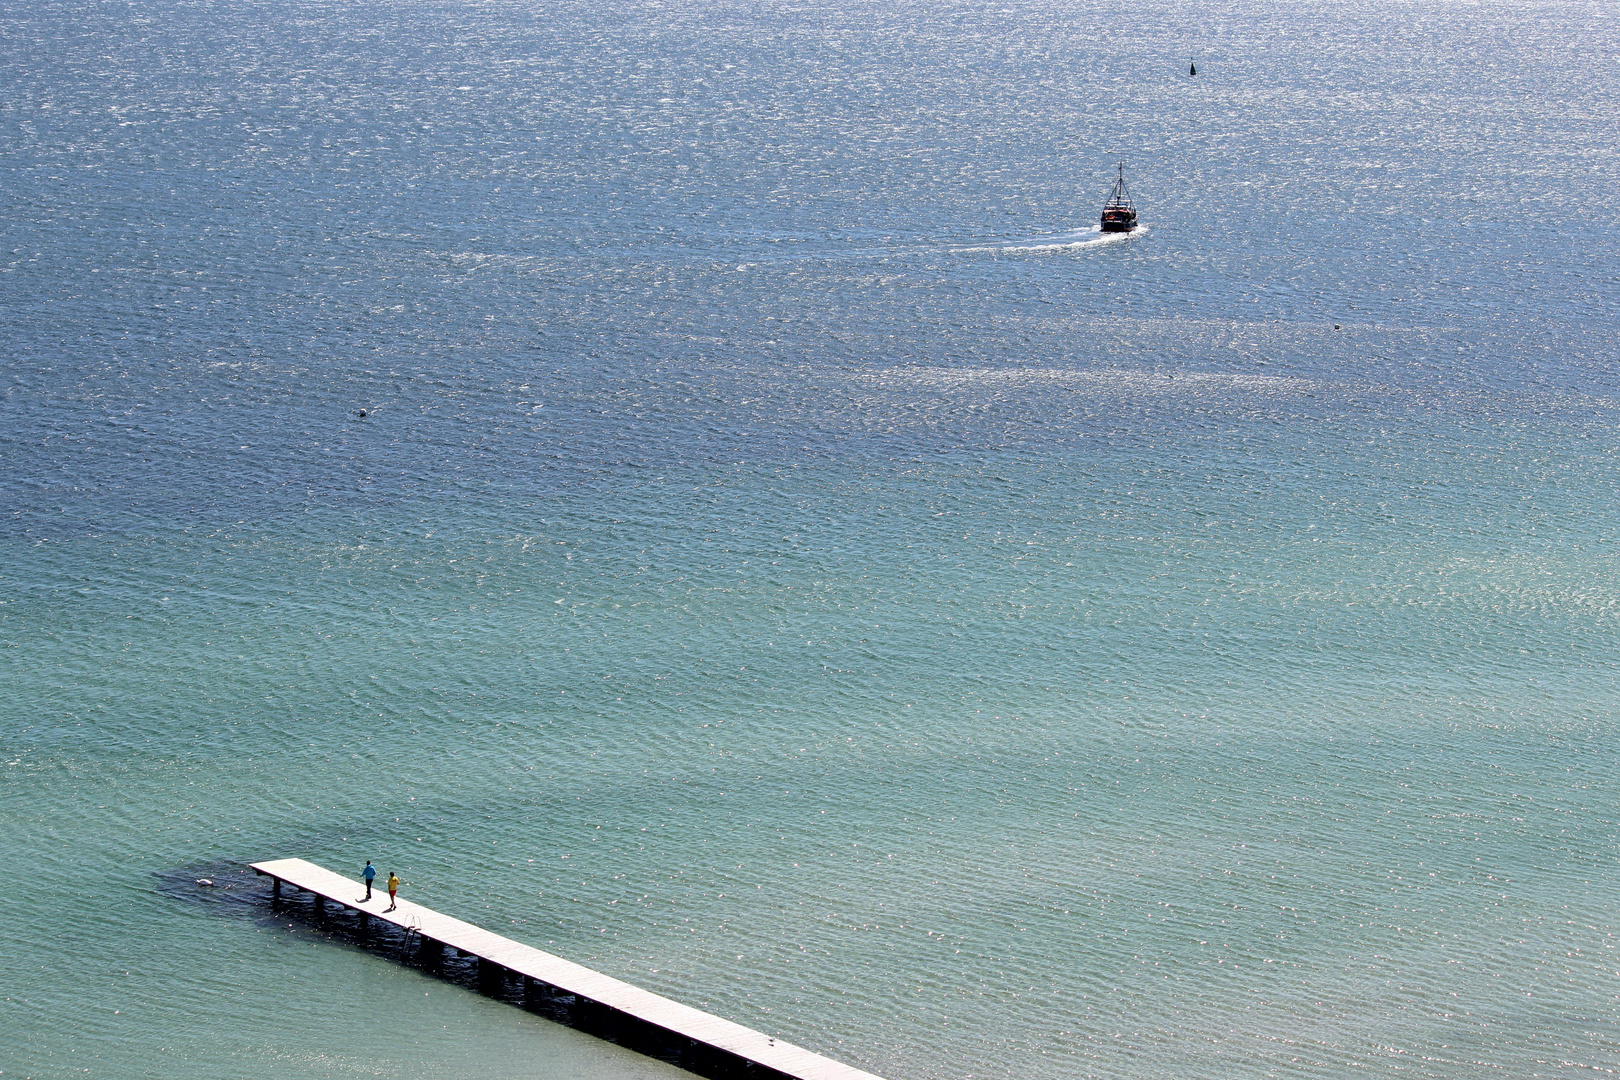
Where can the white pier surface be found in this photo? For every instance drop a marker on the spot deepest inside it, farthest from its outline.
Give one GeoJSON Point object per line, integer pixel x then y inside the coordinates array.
{"type": "Point", "coordinates": [565, 975]}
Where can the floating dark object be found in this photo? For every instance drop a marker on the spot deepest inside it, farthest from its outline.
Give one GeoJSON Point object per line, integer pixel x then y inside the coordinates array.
{"type": "Point", "coordinates": [361, 413]}
{"type": "Point", "coordinates": [1192, 69]}
{"type": "Point", "coordinates": [1119, 213]}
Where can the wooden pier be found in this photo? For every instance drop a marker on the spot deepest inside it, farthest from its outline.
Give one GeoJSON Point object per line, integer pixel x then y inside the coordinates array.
{"type": "Point", "coordinates": [585, 999]}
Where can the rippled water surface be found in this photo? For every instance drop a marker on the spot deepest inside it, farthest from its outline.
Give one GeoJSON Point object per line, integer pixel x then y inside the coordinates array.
{"type": "Point", "coordinates": [789, 559]}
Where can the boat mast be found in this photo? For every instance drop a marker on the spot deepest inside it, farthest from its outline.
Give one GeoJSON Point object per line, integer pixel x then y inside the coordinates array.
{"type": "Point", "coordinates": [1120, 197]}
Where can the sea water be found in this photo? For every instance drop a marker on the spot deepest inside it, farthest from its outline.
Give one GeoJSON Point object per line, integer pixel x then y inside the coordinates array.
{"type": "Point", "coordinates": [789, 560]}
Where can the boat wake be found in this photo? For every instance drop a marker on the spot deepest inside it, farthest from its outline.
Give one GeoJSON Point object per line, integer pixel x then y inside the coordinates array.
{"type": "Point", "coordinates": [1116, 383]}
{"type": "Point", "coordinates": [1082, 238]}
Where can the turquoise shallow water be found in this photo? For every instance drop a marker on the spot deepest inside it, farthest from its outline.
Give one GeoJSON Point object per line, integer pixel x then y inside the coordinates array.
{"type": "Point", "coordinates": [786, 562]}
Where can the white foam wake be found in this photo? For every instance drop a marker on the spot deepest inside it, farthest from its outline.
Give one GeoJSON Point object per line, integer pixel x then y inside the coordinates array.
{"type": "Point", "coordinates": [1115, 381]}
{"type": "Point", "coordinates": [1082, 238]}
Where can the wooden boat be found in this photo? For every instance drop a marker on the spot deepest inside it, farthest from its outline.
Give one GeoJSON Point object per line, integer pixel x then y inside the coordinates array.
{"type": "Point", "coordinates": [1119, 213]}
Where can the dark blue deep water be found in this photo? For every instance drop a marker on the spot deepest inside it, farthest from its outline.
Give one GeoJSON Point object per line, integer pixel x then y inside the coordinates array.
{"type": "Point", "coordinates": [789, 559]}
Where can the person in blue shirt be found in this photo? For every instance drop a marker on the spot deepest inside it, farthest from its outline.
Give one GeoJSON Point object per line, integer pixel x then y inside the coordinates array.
{"type": "Point", "coordinates": [368, 873]}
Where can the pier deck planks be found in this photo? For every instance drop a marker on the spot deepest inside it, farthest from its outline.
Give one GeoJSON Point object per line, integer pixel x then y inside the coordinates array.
{"type": "Point", "coordinates": [568, 977]}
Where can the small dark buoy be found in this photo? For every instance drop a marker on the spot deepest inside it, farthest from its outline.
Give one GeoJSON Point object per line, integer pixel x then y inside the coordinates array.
{"type": "Point", "coordinates": [361, 414]}
{"type": "Point", "coordinates": [1335, 326]}
{"type": "Point", "coordinates": [1192, 69]}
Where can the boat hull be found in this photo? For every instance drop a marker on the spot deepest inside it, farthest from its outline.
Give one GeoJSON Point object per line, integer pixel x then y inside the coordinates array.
{"type": "Point", "coordinates": [1119, 224]}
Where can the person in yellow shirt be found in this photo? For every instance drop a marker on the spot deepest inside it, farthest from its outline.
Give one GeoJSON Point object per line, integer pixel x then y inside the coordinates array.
{"type": "Point", "coordinates": [393, 891]}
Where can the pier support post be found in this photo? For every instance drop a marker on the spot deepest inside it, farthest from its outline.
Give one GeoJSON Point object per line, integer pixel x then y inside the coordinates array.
{"type": "Point", "coordinates": [275, 893]}
{"type": "Point", "coordinates": [320, 906]}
